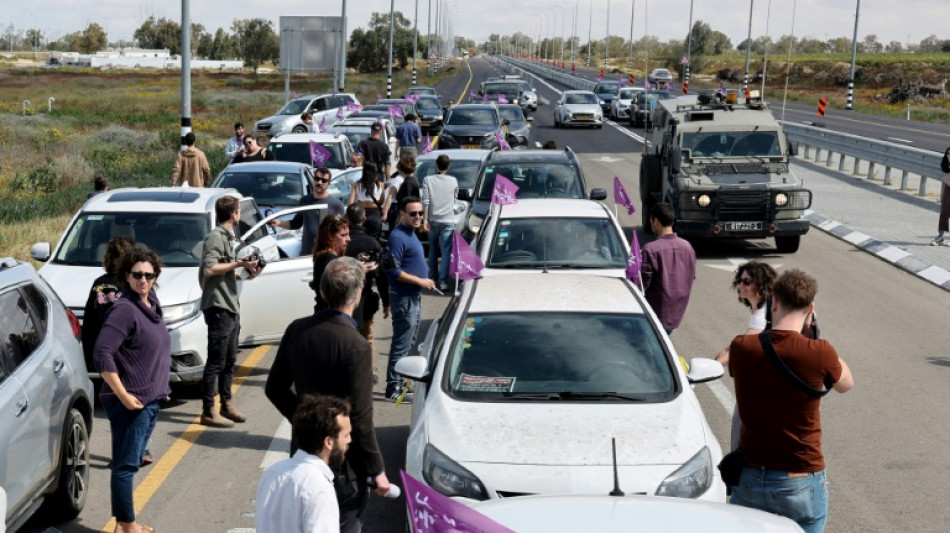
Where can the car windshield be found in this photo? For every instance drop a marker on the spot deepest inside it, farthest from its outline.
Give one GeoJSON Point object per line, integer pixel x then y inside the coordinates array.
{"type": "Point", "coordinates": [294, 107]}
{"type": "Point", "coordinates": [472, 117]}
{"type": "Point", "coordinates": [628, 94]}
{"type": "Point", "coordinates": [428, 104]}
{"type": "Point", "coordinates": [654, 96]}
{"type": "Point", "coordinates": [502, 88]}
{"type": "Point", "coordinates": [299, 152]}
{"type": "Point", "coordinates": [422, 90]}
{"type": "Point", "coordinates": [535, 179]}
{"type": "Point", "coordinates": [557, 242]}
{"type": "Point", "coordinates": [580, 98]}
{"type": "Point", "coordinates": [465, 171]}
{"type": "Point", "coordinates": [269, 189]}
{"type": "Point", "coordinates": [175, 237]}
{"type": "Point", "coordinates": [512, 113]}
{"type": "Point", "coordinates": [606, 88]}
{"type": "Point", "coordinates": [354, 133]}
{"type": "Point", "coordinates": [551, 356]}
{"type": "Point", "coordinates": [732, 144]}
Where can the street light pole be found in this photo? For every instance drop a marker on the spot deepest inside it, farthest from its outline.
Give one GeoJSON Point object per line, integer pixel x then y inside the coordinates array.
{"type": "Point", "coordinates": [415, 41]}
{"type": "Point", "coordinates": [689, 44]}
{"type": "Point", "coordinates": [185, 71]}
{"type": "Point", "coordinates": [590, 25]}
{"type": "Point", "coordinates": [854, 53]}
{"type": "Point", "coordinates": [633, 8]}
{"type": "Point", "coordinates": [607, 38]}
{"type": "Point", "coordinates": [389, 64]}
{"type": "Point", "coordinates": [343, 39]}
{"type": "Point", "coordinates": [748, 50]}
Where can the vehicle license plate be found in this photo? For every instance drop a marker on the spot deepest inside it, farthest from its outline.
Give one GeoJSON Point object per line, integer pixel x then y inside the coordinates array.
{"type": "Point", "coordinates": [425, 123]}
{"type": "Point", "coordinates": [584, 117]}
{"type": "Point", "coordinates": [471, 146]}
{"type": "Point", "coordinates": [743, 226]}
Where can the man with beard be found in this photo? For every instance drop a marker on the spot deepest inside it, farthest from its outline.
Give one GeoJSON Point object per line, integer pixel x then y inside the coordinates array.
{"type": "Point", "coordinates": [310, 220]}
{"type": "Point", "coordinates": [297, 494]}
{"type": "Point", "coordinates": [325, 354]}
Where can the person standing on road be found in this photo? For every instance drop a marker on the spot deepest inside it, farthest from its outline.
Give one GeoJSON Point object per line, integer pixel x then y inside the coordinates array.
{"type": "Point", "coordinates": [367, 250]}
{"type": "Point", "coordinates": [133, 356]}
{"type": "Point", "coordinates": [307, 120]}
{"type": "Point", "coordinates": [324, 354]}
{"type": "Point", "coordinates": [331, 244]}
{"type": "Point", "coordinates": [406, 267]}
{"type": "Point", "coordinates": [439, 192]}
{"type": "Point", "coordinates": [943, 221]}
{"type": "Point", "coordinates": [669, 268]}
{"type": "Point", "coordinates": [403, 184]}
{"type": "Point", "coordinates": [235, 144]}
{"type": "Point", "coordinates": [191, 165]}
{"type": "Point", "coordinates": [409, 136]}
{"type": "Point", "coordinates": [780, 439]}
{"type": "Point", "coordinates": [368, 192]}
{"type": "Point", "coordinates": [297, 494]}
{"type": "Point", "coordinates": [221, 307]}
{"type": "Point", "coordinates": [310, 220]}
{"type": "Point", "coordinates": [374, 150]}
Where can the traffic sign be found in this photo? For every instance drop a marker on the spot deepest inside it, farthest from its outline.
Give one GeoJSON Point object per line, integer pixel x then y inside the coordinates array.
{"type": "Point", "coordinates": [433, 55]}
{"type": "Point", "coordinates": [685, 60]}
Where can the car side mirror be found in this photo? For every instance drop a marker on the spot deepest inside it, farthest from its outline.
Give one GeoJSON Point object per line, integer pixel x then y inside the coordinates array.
{"type": "Point", "coordinates": [792, 149]}
{"type": "Point", "coordinates": [40, 251]}
{"type": "Point", "coordinates": [676, 159]}
{"type": "Point", "coordinates": [465, 195]}
{"type": "Point", "coordinates": [417, 367]}
{"type": "Point", "coordinates": [701, 370]}
{"type": "Point", "coordinates": [598, 194]}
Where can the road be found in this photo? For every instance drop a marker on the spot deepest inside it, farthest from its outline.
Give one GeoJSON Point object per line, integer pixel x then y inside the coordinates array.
{"type": "Point", "coordinates": [883, 441]}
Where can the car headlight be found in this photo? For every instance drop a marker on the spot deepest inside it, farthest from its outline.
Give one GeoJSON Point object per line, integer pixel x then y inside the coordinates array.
{"type": "Point", "coordinates": [704, 200]}
{"type": "Point", "coordinates": [690, 480]}
{"type": "Point", "coordinates": [474, 222]}
{"type": "Point", "coordinates": [174, 315]}
{"type": "Point", "coordinates": [450, 478]}
{"type": "Point", "coordinates": [781, 199]}
{"type": "Point", "coordinates": [602, 102]}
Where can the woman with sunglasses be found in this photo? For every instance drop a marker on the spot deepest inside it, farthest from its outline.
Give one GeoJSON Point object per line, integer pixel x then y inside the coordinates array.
{"type": "Point", "coordinates": [253, 151]}
{"type": "Point", "coordinates": [133, 356]}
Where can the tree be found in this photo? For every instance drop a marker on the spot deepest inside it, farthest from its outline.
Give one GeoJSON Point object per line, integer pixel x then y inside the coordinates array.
{"type": "Point", "coordinates": [872, 45]}
{"type": "Point", "coordinates": [222, 46]}
{"type": "Point", "coordinates": [811, 46]}
{"type": "Point", "coordinates": [90, 40]}
{"type": "Point", "coordinates": [257, 42]}
{"type": "Point", "coordinates": [370, 47]}
{"type": "Point", "coordinates": [34, 38]}
{"type": "Point", "coordinates": [838, 45]}
{"type": "Point", "coordinates": [894, 47]}
{"type": "Point", "coordinates": [159, 34]}
{"type": "Point", "coordinates": [783, 43]}
{"type": "Point", "coordinates": [930, 44]}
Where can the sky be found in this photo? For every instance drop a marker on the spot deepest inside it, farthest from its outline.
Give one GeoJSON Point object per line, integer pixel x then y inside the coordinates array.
{"type": "Point", "coordinates": [904, 21]}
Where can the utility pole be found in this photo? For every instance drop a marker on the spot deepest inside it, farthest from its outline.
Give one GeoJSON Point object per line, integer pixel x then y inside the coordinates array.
{"type": "Point", "coordinates": [854, 53]}
{"type": "Point", "coordinates": [343, 40]}
{"type": "Point", "coordinates": [389, 64]}
{"type": "Point", "coordinates": [590, 25]}
{"type": "Point", "coordinates": [633, 9]}
{"type": "Point", "coordinates": [748, 50]}
{"type": "Point", "coordinates": [415, 41]}
{"type": "Point", "coordinates": [185, 71]}
{"type": "Point", "coordinates": [607, 39]}
{"type": "Point", "coordinates": [689, 44]}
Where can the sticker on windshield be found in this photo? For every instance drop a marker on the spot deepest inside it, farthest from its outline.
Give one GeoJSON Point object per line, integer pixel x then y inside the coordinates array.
{"type": "Point", "coordinates": [94, 217]}
{"type": "Point", "coordinates": [470, 383]}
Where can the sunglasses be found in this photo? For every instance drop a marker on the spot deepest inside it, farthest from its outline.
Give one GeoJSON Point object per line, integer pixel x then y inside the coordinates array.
{"type": "Point", "coordinates": [321, 180]}
{"type": "Point", "coordinates": [745, 281]}
{"type": "Point", "coordinates": [147, 275]}
{"type": "Point", "coordinates": [415, 213]}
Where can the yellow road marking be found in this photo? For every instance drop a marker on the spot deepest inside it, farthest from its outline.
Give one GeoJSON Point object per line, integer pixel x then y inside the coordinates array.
{"type": "Point", "coordinates": [435, 141]}
{"type": "Point", "coordinates": [162, 468]}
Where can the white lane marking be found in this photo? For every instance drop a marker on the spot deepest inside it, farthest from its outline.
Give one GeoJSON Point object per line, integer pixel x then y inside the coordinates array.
{"type": "Point", "coordinates": [608, 159]}
{"type": "Point", "coordinates": [726, 399]}
{"type": "Point", "coordinates": [279, 448]}
{"type": "Point", "coordinates": [898, 139]}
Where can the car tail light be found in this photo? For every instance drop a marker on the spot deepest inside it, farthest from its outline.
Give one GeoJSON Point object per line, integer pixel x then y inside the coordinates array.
{"type": "Point", "coordinates": [73, 323]}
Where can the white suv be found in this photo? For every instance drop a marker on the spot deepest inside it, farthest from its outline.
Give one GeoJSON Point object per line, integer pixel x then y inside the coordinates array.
{"type": "Point", "coordinates": [323, 107]}
{"type": "Point", "coordinates": [174, 222]}
{"type": "Point", "coordinates": [296, 147]}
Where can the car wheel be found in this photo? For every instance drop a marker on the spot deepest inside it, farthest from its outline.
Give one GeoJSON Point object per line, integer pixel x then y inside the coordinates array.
{"type": "Point", "coordinates": [788, 244]}
{"type": "Point", "coordinates": [70, 496]}
{"type": "Point", "coordinates": [299, 129]}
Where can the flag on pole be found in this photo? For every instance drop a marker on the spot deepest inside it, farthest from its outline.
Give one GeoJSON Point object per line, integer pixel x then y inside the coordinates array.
{"type": "Point", "coordinates": [379, 97]}
{"type": "Point", "coordinates": [502, 99]}
{"type": "Point", "coordinates": [323, 125]}
{"type": "Point", "coordinates": [353, 107]}
{"type": "Point", "coordinates": [427, 147]}
{"type": "Point", "coordinates": [472, 95]}
{"type": "Point", "coordinates": [646, 85]}
{"type": "Point", "coordinates": [670, 86]}
{"type": "Point", "coordinates": [318, 154]}
{"type": "Point", "coordinates": [621, 197]}
{"type": "Point", "coordinates": [395, 111]}
{"type": "Point", "coordinates": [599, 79]}
{"type": "Point", "coordinates": [502, 143]}
{"type": "Point", "coordinates": [464, 263]}
{"type": "Point", "coordinates": [334, 91]}
{"type": "Point", "coordinates": [635, 262]}
{"type": "Point", "coordinates": [721, 88]}
{"type": "Point", "coordinates": [430, 511]}
{"type": "Point", "coordinates": [293, 94]}
{"type": "Point", "coordinates": [504, 192]}
{"type": "Point", "coordinates": [339, 112]}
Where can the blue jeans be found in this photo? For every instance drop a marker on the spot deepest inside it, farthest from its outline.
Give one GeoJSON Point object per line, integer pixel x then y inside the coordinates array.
{"type": "Point", "coordinates": [407, 312]}
{"type": "Point", "coordinates": [803, 499]}
{"type": "Point", "coordinates": [130, 432]}
{"type": "Point", "coordinates": [440, 243]}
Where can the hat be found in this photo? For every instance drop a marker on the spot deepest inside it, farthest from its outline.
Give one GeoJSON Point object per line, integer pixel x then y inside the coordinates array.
{"type": "Point", "coordinates": [376, 127]}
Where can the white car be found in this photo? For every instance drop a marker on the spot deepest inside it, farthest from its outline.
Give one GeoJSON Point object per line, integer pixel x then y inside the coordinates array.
{"type": "Point", "coordinates": [556, 235]}
{"type": "Point", "coordinates": [358, 128]}
{"type": "Point", "coordinates": [660, 75]}
{"type": "Point", "coordinates": [323, 107]}
{"type": "Point", "coordinates": [578, 108]}
{"type": "Point", "coordinates": [173, 222]}
{"type": "Point", "coordinates": [525, 379]}
{"type": "Point", "coordinates": [620, 107]}
{"type": "Point", "coordinates": [296, 147]}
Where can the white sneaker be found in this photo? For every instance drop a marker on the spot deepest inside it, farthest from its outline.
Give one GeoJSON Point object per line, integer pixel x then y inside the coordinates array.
{"type": "Point", "coordinates": [937, 242]}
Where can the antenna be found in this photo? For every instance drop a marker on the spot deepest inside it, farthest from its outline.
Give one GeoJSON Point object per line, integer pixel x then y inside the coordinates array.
{"type": "Point", "coordinates": [616, 491]}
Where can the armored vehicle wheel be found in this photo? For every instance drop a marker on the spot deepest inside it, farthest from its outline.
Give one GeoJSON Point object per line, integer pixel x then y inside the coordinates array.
{"type": "Point", "coordinates": [788, 244]}
{"type": "Point", "coordinates": [651, 178]}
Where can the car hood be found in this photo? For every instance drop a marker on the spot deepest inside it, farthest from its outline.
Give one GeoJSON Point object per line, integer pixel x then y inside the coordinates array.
{"type": "Point", "coordinates": [605, 97]}
{"type": "Point", "coordinates": [582, 108]}
{"type": "Point", "coordinates": [274, 119]}
{"type": "Point", "coordinates": [176, 285]}
{"type": "Point", "coordinates": [468, 130]}
{"type": "Point", "coordinates": [430, 114]}
{"type": "Point", "coordinates": [567, 434]}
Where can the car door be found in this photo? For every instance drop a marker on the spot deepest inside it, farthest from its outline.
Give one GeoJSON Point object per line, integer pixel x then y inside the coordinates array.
{"type": "Point", "coordinates": [31, 435]}
{"type": "Point", "coordinates": [281, 293]}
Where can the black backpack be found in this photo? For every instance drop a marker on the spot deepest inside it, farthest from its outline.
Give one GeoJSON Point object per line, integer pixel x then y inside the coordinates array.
{"type": "Point", "coordinates": [945, 162]}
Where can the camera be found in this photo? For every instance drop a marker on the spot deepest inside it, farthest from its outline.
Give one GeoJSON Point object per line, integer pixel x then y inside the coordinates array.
{"type": "Point", "coordinates": [371, 256]}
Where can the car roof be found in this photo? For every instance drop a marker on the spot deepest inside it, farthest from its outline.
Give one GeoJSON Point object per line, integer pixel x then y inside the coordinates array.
{"type": "Point", "coordinates": [158, 199]}
{"type": "Point", "coordinates": [473, 106]}
{"type": "Point", "coordinates": [562, 292]}
{"type": "Point", "coordinates": [456, 154]}
{"type": "Point", "coordinates": [554, 208]}
{"type": "Point", "coordinates": [307, 137]}
{"type": "Point", "coordinates": [579, 91]}
{"type": "Point", "coordinates": [266, 166]}
{"type": "Point", "coordinates": [313, 96]}
{"type": "Point", "coordinates": [554, 156]}
{"type": "Point", "coordinates": [391, 101]}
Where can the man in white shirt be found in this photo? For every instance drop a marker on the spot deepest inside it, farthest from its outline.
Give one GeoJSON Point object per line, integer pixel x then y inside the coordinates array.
{"type": "Point", "coordinates": [296, 495]}
{"type": "Point", "coordinates": [235, 145]}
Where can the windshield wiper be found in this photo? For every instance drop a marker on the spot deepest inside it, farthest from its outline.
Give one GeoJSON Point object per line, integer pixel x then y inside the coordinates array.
{"type": "Point", "coordinates": [571, 395]}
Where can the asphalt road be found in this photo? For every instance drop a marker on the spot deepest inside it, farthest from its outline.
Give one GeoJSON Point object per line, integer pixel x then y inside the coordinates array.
{"type": "Point", "coordinates": [884, 441]}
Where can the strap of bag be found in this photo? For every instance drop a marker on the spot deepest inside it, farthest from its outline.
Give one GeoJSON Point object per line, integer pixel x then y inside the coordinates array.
{"type": "Point", "coordinates": [787, 372]}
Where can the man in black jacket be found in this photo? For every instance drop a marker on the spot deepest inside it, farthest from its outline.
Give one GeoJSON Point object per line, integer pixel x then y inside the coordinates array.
{"type": "Point", "coordinates": [366, 249]}
{"type": "Point", "coordinates": [325, 354]}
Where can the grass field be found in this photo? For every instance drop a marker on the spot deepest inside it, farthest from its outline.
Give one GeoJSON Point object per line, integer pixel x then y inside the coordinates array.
{"type": "Point", "coordinates": [124, 125]}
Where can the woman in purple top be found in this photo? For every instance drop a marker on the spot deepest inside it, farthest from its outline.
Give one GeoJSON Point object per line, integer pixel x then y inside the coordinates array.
{"type": "Point", "coordinates": [133, 356]}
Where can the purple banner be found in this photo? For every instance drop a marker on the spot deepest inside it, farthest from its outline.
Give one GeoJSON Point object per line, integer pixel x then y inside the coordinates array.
{"type": "Point", "coordinates": [670, 86]}
{"type": "Point", "coordinates": [504, 192]}
{"type": "Point", "coordinates": [293, 94]}
{"type": "Point", "coordinates": [318, 154]}
{"type": "Point", "coordinates": [635, 261]}
{"type": "Point", "coordinates": [433, 512]}
{"type": "Point", "coordinates": [502, 143]}
{"type": "Point", "coordinates": [395, 111]}
{"type": "Point", "coordinates": [428, 145]}
{"type": "Point", "coordinates": [502, 99]}
{"type": "Point", "coordinates": [472, 95]}
{"type": "Point", "coordinates": [323, 125]}
{"type": "Point", "coordinates": [339, 112]}
{"type": "Point", "coordinates": [379, 97]}
{"type": "Point", "coordinates": [353, 107]}
{"type": "Point", "coordinates": [465, 263]}
{"type": "Point", "coordinates": [620, 196]}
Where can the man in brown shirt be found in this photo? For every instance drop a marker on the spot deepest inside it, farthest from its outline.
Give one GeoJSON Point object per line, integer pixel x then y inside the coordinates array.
{"type": "Point", "coordinates": [191, 165]}
{"type": "Point", "coordinates": [780, 438]}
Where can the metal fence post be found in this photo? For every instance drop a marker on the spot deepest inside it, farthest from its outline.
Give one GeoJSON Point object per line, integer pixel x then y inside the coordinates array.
{"type": "Point", "coordinates": [887, 175]}
{"type": "Point", "coordinates": [857, 167]}
{"type": "Point", "coordinates": [904, 175]}
{"type": "Point", "coordinates": [923, 186]}
{"type": "Point", "coordinates": [870, 169]}
{"type": "Point", "coordinates": [841, 163]}
{"type": "Point", "coordinates": [828, 160]}
{"type": "Point", "coordinates": [807, 151]}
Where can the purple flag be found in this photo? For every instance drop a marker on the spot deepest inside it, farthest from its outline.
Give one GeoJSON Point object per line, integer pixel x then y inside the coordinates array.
{"type": "Point", "coordinates": [428, 145]}
{"type": "Point", "coordinates": [379, 97]}
{"type": "Point", "coordinates": [318, 154]}
{"type": "Point", "coordinates": [323, 125]}
{"type": "Point", "coordinates": [486, 97]}
{"type": "Point", "coordinates": [620, 196]}
{"type": "Point", "coordinates": [670, 86]}
{"type": "Point", "coordinates": [721, 88]}
{"type": "Point", "coordinates": [646, 85]}
{"type": "Point", "coordinates": [599, 79]}
{"type": "Point", "coordinates": [505, 192]}
{"type": "Point", "coordinates": [395, 110]}
{"type": "Point", "coordinates": [432, 512]}
{"type": "Point", "coordinates": [635, 261]}
{"type": "Point", "coordinates": [472, 95]}
{"type": "Point", "coordinates": [502, 143]}
{"type": "Point", "coordinates": [339, 112]}
{"type": "Point", "coordinates": [502, 99]}
{"type": "Point", "coordinates": [464, 263]}
{"type": "Point", "coordinates": [294, 94]}
{"type": "Point", "coordinates": [353, 107]}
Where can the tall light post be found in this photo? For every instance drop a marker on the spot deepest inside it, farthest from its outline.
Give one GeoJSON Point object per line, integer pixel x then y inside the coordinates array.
{"type": "Point", "coordinates": [689, 45]}
{"type": "Point", "coordinates": [633, 9]}
{"type": "Point", "coordinates": [765, 60]}
{"type": "Point", "coordinates": [607, 38]}
{"type": "Point", "coordinates": [590, 25]}
{"type": "Point", "coordinates": [415, 41]}
{"type": "Point", "coordinates": [748, 50]}
{"type": "Point", "coordinates": [185, 71]}
{"type": "Point", "coordinates": [342, 76]}
{"type": "Point", "coordinates": [788, 63]}
{"type": "Point", "coordinates": [389, 64]}
{"type": "Point", "coordinates": [854, 53]}
{"type": "Point", "coordinates": [574, 31]}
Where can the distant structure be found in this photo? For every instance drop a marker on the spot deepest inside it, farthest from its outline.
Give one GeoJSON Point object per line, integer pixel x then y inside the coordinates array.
{"type": "Point", "coordinates": [138, 58]}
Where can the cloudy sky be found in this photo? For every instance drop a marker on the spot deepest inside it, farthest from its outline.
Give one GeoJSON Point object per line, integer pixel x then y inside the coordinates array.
{"type": "Point", "coordinates": [904, 21]}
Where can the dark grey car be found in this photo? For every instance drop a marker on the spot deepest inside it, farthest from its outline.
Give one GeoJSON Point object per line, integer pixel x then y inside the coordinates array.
{"type": "Point", "coordinates": [473, 126]}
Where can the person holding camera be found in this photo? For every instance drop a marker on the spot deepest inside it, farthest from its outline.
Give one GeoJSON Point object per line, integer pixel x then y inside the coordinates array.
{"type": "Point", "coordinates": [221, 308]}
{"type": "Point", "coordinates": [365, 248]}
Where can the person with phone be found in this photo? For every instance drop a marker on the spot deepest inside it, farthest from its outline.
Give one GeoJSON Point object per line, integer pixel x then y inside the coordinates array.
{"type": "Point", "coordinates": [367, 250]}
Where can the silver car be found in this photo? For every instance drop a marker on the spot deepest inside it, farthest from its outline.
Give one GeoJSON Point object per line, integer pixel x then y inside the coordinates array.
{"type": "Point", "coordinates": [323, 107]}
{"type": "Point", "coordinates": [46, 399]}
{"type": "Point", "coordinates": [578, 108]}
{"type": "Point", "coordinates": [660, 75]}
{"type": "Point", "coordinates": [622, 104]}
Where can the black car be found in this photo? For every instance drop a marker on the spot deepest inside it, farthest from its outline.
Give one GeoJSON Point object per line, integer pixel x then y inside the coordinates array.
{"type": "Point", "coordinates": [511, 90]}
{"type": "Point", "coordinates": [430, 113]}
{"type": "Point", "coordinates": [518, 128]}
{"type": "Point", "coordinates": [476, 126]}
{"type": "Point", "coordinates": [606, 91]}
{"type": "Point", "coordinates": [645, 105]}
{"type": "Point", "coordinates": [537, 173]}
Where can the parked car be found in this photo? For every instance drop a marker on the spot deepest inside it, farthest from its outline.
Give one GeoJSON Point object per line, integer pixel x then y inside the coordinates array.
{"type": "Point", "coordinates": [511, 90]}
{"type": "Point", "coordinates": [471, 126]}
{"type": "Point", "coordinates": [518, 129]}
{"type": "Point", "coordinates": [406, 107]}
{"type": "Point", "coordinates": [660, 75]}
{"type": "Point", "coordinates": [296, 147]}
{"type": "Point", "coordinates": [174, 222]}
{"type": "Point", "coordinates": [46, 399]}
{"type": "Point", "coordinates": [537, 173]}
{"type": "Point", "coordinates": [527, 91]}
{"type": "Point", "coordinates": [323, 107]}
{"type": "Point", "coordinates": [274, 185]}
{"type": "Point", "coordinates": [464, 166]}
{"type": "Point", "coordinates": [645, 103]}
{"type": "Point", "coordinates": [512, 358]}
{"type": "Point", "coordinates": [359, 129]}
{"type": "Point", "coordinates": [430, 114]}
{"type": "Point", "coordinates": [578, 108]}
{"type": "Point", "coordinates": [422, 90]}
{"type": "Point", "coordinates": [559, 236]}
{"type": "Point", "coordinates": [605, 91]}
{"type": "Point", "coordinates": [622, 104]}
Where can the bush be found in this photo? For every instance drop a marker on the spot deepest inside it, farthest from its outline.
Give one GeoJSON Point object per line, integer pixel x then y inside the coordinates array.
{"type": "Point", "coordinates": [40, 180]}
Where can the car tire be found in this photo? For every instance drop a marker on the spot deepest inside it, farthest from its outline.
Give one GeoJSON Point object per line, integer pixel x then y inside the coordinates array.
{"type": "Point", "coordinates": [788, 244]}
{"type": "Point", "coordinates": [299, 129]}
{"type": "Point", "coordinates": [73, 479]}
{"type": "Point", "coordinates": [651, 180]}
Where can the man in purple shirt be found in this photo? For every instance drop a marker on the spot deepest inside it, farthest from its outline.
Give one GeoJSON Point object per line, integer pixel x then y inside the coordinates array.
{"type": "Point", "coordinates": [669, 268]}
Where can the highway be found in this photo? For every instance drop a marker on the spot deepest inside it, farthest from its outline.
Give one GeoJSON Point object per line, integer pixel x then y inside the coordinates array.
{"type": "Point", "coordinates": [884, 442]}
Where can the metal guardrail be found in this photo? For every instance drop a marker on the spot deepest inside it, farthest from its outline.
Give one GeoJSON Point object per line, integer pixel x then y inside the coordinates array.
{"type": "Point", "coordinates": [906, 159]}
